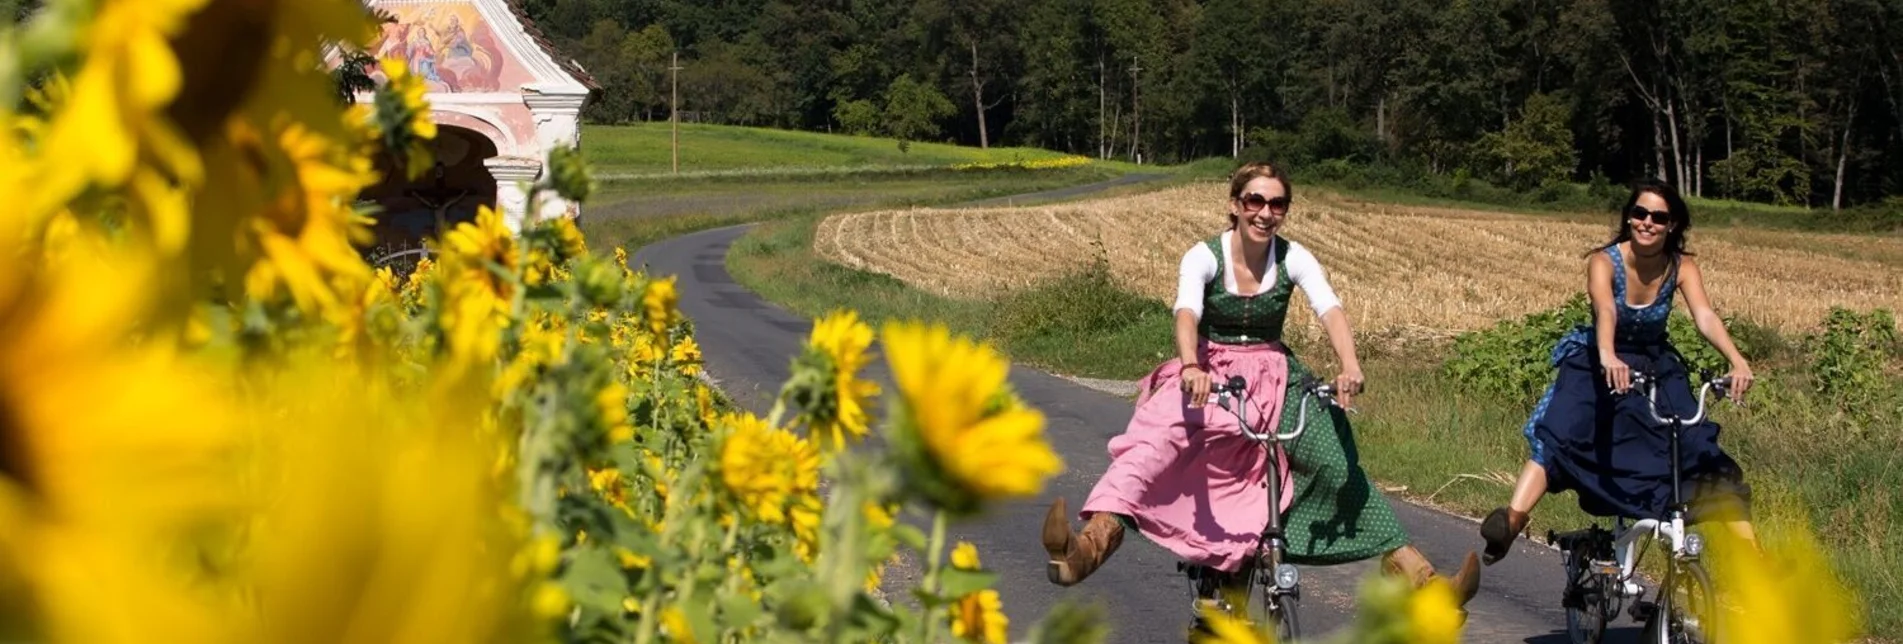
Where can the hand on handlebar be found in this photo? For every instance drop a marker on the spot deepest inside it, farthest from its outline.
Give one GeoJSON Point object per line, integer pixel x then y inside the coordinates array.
{"type": "Point", "coordinates": [1618, 375]}
{"type": "Point", "coordinates": [1196, 384]}
{"type": "Point", "coordinates": [1736, 382]}
{"type": "Point", "coordinates": [1346, 386]}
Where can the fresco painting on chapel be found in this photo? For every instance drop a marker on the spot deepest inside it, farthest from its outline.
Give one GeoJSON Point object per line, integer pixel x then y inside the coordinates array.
{"type": "Point", "coordinates": [448, 45]}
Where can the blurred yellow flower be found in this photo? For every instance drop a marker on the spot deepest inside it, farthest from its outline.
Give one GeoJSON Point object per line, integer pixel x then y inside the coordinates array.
{"type": "Point", "coordinates": [1434, 614]}
{"type": "Point", "coordinates": [979, 617]}
{"type": "Point", "coordinates": [1227, 629]}
{"type": "Point", "coordinates": [1790, 593]}
{"type": "Point", "coordinates": [964, 556]}
{"type": "Point", "coordinates": [659, 301]}
{"type": "Point", "coordinates": [805, 515]}
{"type": "Point", "coordinates": [951, 388]}
{"type": "Point", "coordinates": [114, 116]}
{"type": "Point", "coordinates": [608, 484]}
{"type": "Point", "coordinates": [304, 235]}
{"type": "Point", "coordinates": [410, 89]}
{"type": "Point", "coordinates": [473, 247]}
{"type": "Point", "coordinates": [767, 468]}
{"type": "Point", "coordinates": [843, 340]}
{"type": "Point", "coordinates": [674, 624]}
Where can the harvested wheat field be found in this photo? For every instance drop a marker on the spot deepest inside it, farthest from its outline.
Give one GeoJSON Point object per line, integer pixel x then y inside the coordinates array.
{"type": "Point", "coordinates": [1403, 272]}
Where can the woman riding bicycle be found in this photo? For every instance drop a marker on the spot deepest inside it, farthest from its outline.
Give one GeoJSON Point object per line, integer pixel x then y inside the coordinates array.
{"type": "Point", "coordinates": [1187, 478]}
{"type": "Point", "coordinates": [1585, 435]}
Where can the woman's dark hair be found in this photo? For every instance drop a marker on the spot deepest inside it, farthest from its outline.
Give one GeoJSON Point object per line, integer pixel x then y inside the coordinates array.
{"type": "Point", "coordinates": [1681, 214]}
{"type": "Point", "coordinates": [1250, 172]}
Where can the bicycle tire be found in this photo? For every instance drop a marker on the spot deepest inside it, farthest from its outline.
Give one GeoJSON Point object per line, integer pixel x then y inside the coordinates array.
{"type": "Point", "coordinates": [1587, 612]}
{"type": "Point", "coordinates": [1287, 626]}
{"type": "Point", "coordinates": [1685, 617]}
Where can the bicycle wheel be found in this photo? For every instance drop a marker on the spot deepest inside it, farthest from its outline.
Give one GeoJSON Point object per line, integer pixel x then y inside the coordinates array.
{"type": "Point", "coordinates": [1686, 604]}
{"type": "Point", "coordinates": [1585, 599]}
{"type": "Point", "coordinates": [1282, 612]}
{"type": "Point", "coordinates": [1279, 608]}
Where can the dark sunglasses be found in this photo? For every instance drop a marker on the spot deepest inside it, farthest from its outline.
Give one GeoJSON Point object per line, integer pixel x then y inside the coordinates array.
{"type": "Point", "coordinates": [1254, 202]}
{"type": "Point", "coordinates": [1660, 217]}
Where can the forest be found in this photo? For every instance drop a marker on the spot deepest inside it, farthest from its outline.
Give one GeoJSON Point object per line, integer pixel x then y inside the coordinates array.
{"type": "Point", "coordinates": [1795, 102]}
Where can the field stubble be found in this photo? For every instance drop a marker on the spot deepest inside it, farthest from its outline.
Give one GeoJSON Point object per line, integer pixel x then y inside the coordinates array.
{"type": "Point", "coordinates": [1406, 273]}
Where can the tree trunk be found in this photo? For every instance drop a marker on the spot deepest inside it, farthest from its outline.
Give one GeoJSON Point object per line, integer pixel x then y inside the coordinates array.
{"type": "Point", "coordinates": [1103, 144]}
{"type": "Point", "coordinates": [1698, 172]}
{"type": "Point", "coordinates": [1843, 157]}
{"type": "Point", "coordinates": [1678, 152]}
{"type": "Point", "coordinates": [978, 97]}
{"type": "Point", "coordinates": [1381, 120]}
{"type": "Point", "coordinates": [1658, 146]}
{"type": "Point", "coordinates": [1235, 124]}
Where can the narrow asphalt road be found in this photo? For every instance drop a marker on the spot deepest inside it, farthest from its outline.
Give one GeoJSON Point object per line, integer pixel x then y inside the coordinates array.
{"type": "Point", "coordinates": [748, 344]}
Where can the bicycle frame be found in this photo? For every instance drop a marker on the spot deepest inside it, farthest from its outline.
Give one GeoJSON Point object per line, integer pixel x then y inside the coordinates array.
{"type": "Point", "coordinates": [1285, 579]}
{"type": "Point", "coordinates": [1630, 542]}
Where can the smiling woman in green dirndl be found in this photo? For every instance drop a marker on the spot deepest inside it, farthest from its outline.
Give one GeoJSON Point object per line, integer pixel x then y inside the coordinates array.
{"type": "Point", "coordinates": [1189, 480]}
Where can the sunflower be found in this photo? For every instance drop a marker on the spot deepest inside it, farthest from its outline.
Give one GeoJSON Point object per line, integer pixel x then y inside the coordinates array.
{"type": "Point", "coordinates": [979, 617]}
{"type": "Point", "coordinates": [113, 120]}
{"type": "Point", "coordinates": [1788, 592]}
{"type": "Point", "coordinates": [841, 340]}
{"type": "Point", "coordinates": [766, 468]}
{"type": "Point", "coordinates": [686, 356]}
{"type": "Point", "coordinates": [968, 428]}
{"type": "Point", "coordinates": [1227, 629]}
{"type": "Point", "coordinates": [479, 248]}
{"type": "Point", "coordinates": [659, 301]}
{"type": "Point", "coordinates": [1433, 614]}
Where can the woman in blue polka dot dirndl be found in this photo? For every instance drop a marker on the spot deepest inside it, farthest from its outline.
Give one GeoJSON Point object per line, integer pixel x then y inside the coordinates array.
{"type": "Point", "coordinates": [1587, 435]}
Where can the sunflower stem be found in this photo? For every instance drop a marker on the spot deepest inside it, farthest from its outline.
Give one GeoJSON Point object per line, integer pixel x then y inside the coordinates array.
{"type": "Point", "coordinates": [934, 559]}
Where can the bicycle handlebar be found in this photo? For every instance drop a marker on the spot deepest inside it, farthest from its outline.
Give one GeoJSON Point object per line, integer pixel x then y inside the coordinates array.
{"type": "Point", "coordinates": [1649, 384]}
{"type": "Point", "coordinates": [1237, 387]}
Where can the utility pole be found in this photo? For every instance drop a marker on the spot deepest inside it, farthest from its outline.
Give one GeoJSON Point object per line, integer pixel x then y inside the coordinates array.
{"type": "Point", "coordinates": [674, 106]}
{"type": "Point", "coordinates": [1103, 140]}
{"type": "Point", "coordinates": [1136, 115]}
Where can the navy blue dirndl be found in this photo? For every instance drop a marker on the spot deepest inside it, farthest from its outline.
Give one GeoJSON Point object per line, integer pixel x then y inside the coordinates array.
{"type": "Point", "coordinates": [1606, 447]}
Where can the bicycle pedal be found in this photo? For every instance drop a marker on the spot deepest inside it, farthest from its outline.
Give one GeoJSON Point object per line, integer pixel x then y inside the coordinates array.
{"type": "Point", "coordinates": [1644, 611]}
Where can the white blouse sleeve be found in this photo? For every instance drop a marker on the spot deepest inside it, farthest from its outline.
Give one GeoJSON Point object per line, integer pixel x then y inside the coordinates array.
{"type": "Point", "coordinates": [1307, 273]}
{"type": "Point", "coordinates": [1198, 267]}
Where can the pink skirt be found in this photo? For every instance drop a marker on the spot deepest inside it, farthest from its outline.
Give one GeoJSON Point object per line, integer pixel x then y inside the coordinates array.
{"type": "Point", "coordinates": [1188, 477]}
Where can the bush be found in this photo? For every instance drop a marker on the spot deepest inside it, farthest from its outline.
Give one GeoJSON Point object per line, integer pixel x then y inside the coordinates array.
{"type": "Point", "coordinates": [1511, 359]}
{"type": "Point", "coordinates": [1081, 304]}
{"type": "Point", "coordinates": [1850, 358]}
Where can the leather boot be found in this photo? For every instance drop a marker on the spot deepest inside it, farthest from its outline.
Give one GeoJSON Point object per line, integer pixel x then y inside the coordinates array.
{"type": "Point", "coordinates": [1075, 556]}
{"type": "Point", "coordinates": [1500, 529]}
{"type": "Point", "coordinates": [1408, 563]}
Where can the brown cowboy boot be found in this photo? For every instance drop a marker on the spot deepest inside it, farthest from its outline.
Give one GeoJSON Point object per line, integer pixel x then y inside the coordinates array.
{"type": "Point", "coordinates": [1408, 563]}
{"type": "Point", "coordinates": [1502, 526]}
{"type": "Point", "coordinates": [1074, 557]}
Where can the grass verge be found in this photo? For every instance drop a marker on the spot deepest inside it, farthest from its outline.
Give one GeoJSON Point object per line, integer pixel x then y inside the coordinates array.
{"type": "Point", "coordinates": [1431, 438]}
{"type": "Point", "coordinates": [647, 149]}
{"type": "Point", "coordinates": [633, 213]}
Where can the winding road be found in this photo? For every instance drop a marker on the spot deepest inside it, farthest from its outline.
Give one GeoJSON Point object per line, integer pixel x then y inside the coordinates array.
{"type": "Point", "coordinates": [748, 344]}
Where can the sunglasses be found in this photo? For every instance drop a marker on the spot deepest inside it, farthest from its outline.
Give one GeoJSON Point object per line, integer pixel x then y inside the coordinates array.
{"type": "Point", "coordinates": [1253, 202]}
{"type": "Point", "coordinates": [1660, 217]}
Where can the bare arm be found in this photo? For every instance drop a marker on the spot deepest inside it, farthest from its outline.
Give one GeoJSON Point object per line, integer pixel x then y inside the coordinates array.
{"type": "Point", "coordinates": [1309, 275]}
{"type": "Point", "coordinates": [1691, 282]}
{"type": "Point", "coordinates": [1605, 320]}
{"type": "Point", "coordinates": [1341, 337]}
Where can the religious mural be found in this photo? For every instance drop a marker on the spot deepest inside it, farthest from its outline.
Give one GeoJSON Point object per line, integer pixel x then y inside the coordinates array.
{"type": "Point", "coordinates": [447, 44]}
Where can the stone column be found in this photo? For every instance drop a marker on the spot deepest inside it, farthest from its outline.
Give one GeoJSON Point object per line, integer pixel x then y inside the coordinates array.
{"type": "Point", "coordinates": [513, 177]}
{"type": "Point", "coordinates": [557, 114]}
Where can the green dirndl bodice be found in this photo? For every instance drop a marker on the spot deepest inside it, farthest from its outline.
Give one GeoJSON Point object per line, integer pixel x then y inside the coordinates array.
{"type": "Point", "coordinates": [1337, 516]}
